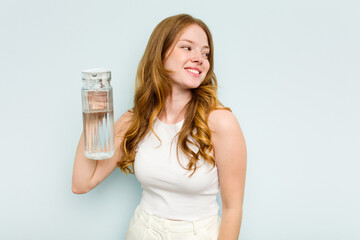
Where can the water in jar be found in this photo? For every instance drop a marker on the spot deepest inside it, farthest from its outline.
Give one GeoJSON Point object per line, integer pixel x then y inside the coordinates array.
{"type": "Point", "coordinates": [99, 134]}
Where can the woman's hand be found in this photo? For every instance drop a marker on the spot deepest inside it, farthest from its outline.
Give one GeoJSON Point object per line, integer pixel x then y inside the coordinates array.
{"type": "Point", "coordinates": [88, 173]}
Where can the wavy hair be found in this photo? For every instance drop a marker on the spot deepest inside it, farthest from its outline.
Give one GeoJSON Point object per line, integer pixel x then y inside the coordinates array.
{"type": "Point", "coordinates": [153, 86]}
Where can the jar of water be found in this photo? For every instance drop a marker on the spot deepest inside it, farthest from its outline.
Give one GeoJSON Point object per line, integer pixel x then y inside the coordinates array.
{"type": "Point", "coordinates": [98, 114]}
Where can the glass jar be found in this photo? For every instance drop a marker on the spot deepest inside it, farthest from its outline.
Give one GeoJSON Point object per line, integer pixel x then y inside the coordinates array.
{"type": "Point", "coordinates": [98, 114]}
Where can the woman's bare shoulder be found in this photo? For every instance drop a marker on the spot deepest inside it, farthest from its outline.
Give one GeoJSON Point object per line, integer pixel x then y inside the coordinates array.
{"type": "Point", "coordinates": [222, 119]}
{"type": "Point", "coordinates": [123, 123]}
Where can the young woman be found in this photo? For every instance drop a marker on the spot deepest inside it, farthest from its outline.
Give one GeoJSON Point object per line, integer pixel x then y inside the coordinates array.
{"type": "Point", "coordinates": [178, 140]}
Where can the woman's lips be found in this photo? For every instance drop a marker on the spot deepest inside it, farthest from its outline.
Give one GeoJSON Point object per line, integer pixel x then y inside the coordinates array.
{"type": "Point", "coordinates": [193, 71]}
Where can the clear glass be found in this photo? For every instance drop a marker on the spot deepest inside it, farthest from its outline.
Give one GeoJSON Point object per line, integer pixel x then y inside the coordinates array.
{"type": "Point", "coordinates": [98, 114]}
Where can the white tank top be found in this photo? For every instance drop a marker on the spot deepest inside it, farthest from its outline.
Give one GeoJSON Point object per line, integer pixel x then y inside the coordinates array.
{"type": "Point", "coordinates": [168, 191]}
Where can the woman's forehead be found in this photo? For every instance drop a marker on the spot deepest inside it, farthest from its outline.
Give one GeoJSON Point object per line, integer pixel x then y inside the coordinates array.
{"type": "Point", "coordinates": [187, 34]}
{"type": "Point", "coordinates": [193, 34]}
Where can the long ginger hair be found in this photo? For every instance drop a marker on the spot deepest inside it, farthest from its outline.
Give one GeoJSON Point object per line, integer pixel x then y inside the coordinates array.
{"type": "Point", "coordinates": [153, 86]}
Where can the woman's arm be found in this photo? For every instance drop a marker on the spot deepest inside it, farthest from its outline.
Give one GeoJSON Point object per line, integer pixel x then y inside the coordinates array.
{"type": "Point", "coordinates": [230, 157]}
{"type": "Point", "coordinates": [88, 173]}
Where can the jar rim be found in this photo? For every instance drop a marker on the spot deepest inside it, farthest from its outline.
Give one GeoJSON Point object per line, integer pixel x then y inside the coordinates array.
{"type": "Point", "coordinates": [96, 73]}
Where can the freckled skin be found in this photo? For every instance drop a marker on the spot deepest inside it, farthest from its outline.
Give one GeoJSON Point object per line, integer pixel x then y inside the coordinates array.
{"type": "Point", "coordinates": [188, 54]}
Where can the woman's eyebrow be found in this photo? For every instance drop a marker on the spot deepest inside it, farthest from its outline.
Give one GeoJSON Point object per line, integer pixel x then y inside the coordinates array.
{"type": "Point", "coordinates": [187, 40]}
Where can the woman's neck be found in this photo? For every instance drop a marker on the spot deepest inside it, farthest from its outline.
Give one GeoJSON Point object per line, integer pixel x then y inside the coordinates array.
{"type": "Point", "coordinates": [174, 109]}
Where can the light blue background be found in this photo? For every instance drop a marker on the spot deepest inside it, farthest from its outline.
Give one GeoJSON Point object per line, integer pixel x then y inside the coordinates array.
{"type": "Point", "coordinates": [288, 69]}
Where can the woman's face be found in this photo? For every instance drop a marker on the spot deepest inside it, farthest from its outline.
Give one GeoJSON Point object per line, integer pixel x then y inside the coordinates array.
{"type": "Point", "coordinates": [189, 58]}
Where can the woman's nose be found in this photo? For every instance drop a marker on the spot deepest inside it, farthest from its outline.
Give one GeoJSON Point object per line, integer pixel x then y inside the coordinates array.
{"type": "Point", "coordinates": [197, 58]}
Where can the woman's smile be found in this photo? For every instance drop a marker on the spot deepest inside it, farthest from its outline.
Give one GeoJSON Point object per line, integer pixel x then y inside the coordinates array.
{"type": "Point", "coordinates": [193, 71]}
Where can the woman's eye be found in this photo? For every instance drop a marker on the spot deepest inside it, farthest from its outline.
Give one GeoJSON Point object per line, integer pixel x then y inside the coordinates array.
{"type": "Point", "coordinates": [187, 48]}
{"type": "Point", "coordinates": [206, 55]}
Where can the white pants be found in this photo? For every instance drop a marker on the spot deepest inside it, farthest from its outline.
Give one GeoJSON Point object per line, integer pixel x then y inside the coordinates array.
{"type": "Point", "coordinates": [147, 227]}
